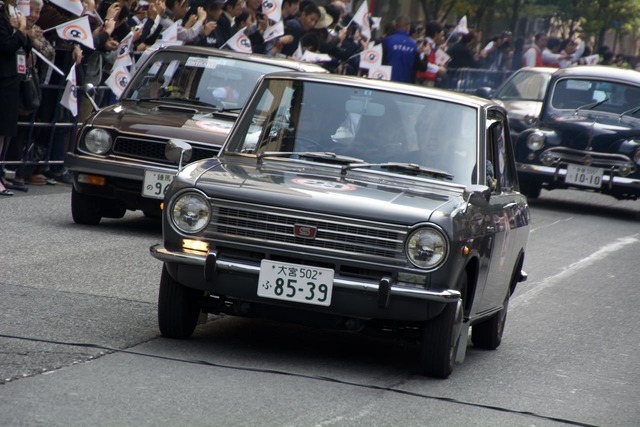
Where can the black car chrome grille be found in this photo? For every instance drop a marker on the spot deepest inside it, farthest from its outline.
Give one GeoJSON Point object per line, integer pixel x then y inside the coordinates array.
{"type": "Point", "coordinates": [153, 149]}
{"type": "Point", "coordinates": [340, 236]}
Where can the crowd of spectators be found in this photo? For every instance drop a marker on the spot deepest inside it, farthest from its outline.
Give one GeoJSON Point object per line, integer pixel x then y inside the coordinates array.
{"type": "Point", "coordinates": [427, 54]}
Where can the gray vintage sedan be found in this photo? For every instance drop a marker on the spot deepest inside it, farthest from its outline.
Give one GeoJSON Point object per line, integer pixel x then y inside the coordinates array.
{"type": "Point", "coordinates": [187, 92]}
{"type": "Point", "coordinates": [349, 203]}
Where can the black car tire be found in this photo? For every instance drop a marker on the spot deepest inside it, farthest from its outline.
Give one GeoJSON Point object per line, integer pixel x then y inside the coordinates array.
{"type": "Point", "coordinates": [178, 308]}
{"type": "Point", "coordinates": [530, 189]}
{"type": "Point", "coordinates": [85, 209]}
{"type": "Point", "coordinates": [488, 334]}
{"type": "Point", "coordinates": [440, 338]}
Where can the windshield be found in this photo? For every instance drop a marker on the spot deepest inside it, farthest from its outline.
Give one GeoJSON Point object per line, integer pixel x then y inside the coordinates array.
{"type": "Point", "coordinates": [595, 95]}
{"type": "Point", "coordinates": [525, 85]}
{"type": "Point", "coordinates": [371, 125]}
{"type": "Point", "coordinates": [206, 80]}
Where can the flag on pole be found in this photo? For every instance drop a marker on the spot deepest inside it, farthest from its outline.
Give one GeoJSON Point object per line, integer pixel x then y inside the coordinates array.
{"type": "Point", "coordinates": [371, 57]}
{"type": "Point", "coordinates": [73, 6]}
{"type": "Point", "coordinates": [382, 72]}
{"type": "Point", "coordinates": [362, 19]}
{"type": "Point", "coordinates": [77, 30]}
{"type": "Point", "coordinates": [123, 57]}
{"type": "Point", "coordinates": [309, 56]}
{"type": "Point", "coordinates": [170, 34]}
{"type": "Point", "coordinates": [239, 42]}
{"type": "Point", "coordinates": [118, 80]}
{"type": "Point", "coordinates": [69, 98]}
{"type": "Point", "coordinates": [592, 59]}
{"type": "Point", "coordinates": [276, 30]}
{"type": "Point", "coordinates": [272, 9]}
{"type": "Point", "coordinates": [297, 55]}
{"type": "Point", "coordinates": [462, 26]}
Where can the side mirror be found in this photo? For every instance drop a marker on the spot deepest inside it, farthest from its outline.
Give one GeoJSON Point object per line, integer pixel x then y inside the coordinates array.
{"type": "Point", "coordinates": [90, 92]}
{"type": "Point", "coordinates": [477, 195]}
{"type": "Point", "coordinates": [178, 151]}
{"type": "Point", "coordinates": [483, 92]}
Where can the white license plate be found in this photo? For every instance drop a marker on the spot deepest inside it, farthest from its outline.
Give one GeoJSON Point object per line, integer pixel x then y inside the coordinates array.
{"type": "Point", "coordinates": [155, 184]}
{"type": "Point", "coordinates": [294, 282]}
{"type": "Point", "coordinates": [586, 176]}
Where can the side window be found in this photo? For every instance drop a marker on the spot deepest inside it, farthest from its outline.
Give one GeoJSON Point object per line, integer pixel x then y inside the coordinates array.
{"type": "Point", "coordinates": [500, 172]}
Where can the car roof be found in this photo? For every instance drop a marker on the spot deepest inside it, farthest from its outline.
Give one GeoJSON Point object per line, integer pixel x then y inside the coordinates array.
{"type": "Point", "coordinates": [386, 85]}
{"type": "Point", "coordinates": [599, 71]}
{"type": "Point", "coordinates": [254, 57]}
{"type": "Point", "coordinates": [542, 70]}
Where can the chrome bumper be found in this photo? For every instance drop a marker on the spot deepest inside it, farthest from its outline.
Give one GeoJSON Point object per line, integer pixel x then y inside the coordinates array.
{"type": "Point", "coordinates": [118, 168]}
{"type": "Point", "coordinates": [554, 172]}
{"type": "Point", "coordinates": [445, 296]}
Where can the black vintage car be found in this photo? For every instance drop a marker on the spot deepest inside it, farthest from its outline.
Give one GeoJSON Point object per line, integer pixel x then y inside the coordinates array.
{"type": "Point", "coordinates": [348, 203]}
{"type": "Point", "coordinates": [187, 92]}
{"type": "Point", "coordinates": [587, 136]}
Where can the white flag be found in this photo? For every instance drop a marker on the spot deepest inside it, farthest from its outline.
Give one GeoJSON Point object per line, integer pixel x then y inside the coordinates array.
{"type": "Point", "coordinates": [310, 56]}
{"type": "Point", "coordinates": [297, 55]}
{"type": "Point", "coordinates": [170, 34]}
{"type": "Point", "coordinates": [592, 59]}
{"type": "Point", "coordinates": [274, 31]}
{"type": "Point", "coordinates": [382, 72]}
{"type": "Point", "coordinates": [239, 42]}
{"type": "Point", "coordinates": [362, 19]}
{"type": "Point", "coordinates": [77, 30]}
{"type": "Point", "coordinates": [69, 98]}
{"type": "Point", "coordinates": [273, 9]}
{"type": "Point", "coordinates": [73, 6]}
{"type": "Point", "coordinates": [371, 57]}
{"type": "Point", "coordinates": [462, 26]}
{"type": "Point", "coordinates": [118, 80]}
{"type": "Point", "coordinates": [123, 57]}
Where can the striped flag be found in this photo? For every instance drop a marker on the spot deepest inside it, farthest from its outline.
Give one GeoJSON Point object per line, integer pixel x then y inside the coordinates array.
{"type": "Point", "coordinates": [123, 58]}
{"type": "Point", "coordinates": [371, 57]}
{"type": "Point", "coordinates": [77, 30]}
{"type": "Point", "coordinates": [273, 9]}
{"type": "Point", "coordinates": [239, 42]}
{"type": "Point", "coordinates": [69, 98]}
{"type": "Point", "coordinates": [118, 80]}
{"type": "Point", "coordinates": [73, 6]}
{"type": "Point", "coordinates": [362, 19]}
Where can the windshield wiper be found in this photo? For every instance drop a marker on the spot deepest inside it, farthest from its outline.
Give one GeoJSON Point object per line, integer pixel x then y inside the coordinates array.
{"type": "Point", "coordinates": [412, 168]}
{"type": "Point", "coordinates": [590, 106]}
{"type": "Point", "coordinates": [321, 156]}
{"type": "Point", "coordinates": [630, 111]}
{"type": "Point", "coordinates": [169, 99]}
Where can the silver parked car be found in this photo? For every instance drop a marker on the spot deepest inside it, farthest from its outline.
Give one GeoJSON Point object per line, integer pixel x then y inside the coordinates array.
{"type": "Point", "coordinates": [350, 203]}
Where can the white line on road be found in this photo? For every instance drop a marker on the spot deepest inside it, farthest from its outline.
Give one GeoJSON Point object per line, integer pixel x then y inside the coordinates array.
{"type": "Point", "coordinates": [533, 230]}
{"type": "Point", "coordinates": [603, 252]}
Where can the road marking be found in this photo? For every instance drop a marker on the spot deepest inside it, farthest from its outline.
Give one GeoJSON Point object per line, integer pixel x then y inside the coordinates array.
{"type": "Point", "coordinates": [533, 291]}
{"type": "Point", "coordinates": [533, 230]}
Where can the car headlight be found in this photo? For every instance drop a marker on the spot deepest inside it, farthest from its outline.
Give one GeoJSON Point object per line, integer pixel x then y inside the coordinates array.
{"type": "Point", "coordinates": [636, 157]}
{"type": "Point", "coordinates": [535, 141]}
{"type": "Point", "coordinates": [98, 141]}
{"type": "Point", "coordinates": [190, 212]}
{"type": "Point", "coordinates": [427, 248]}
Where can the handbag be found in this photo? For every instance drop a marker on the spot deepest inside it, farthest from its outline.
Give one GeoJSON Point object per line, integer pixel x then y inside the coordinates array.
{"type": "Point", "coordinates": [30, 93]}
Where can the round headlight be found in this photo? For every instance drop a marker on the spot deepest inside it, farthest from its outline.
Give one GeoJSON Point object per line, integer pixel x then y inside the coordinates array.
{"type": "Point", "coordinates": [98, 141]}
{"type": "Point", "coordinates": [636, 157]}
{"type": "Point", "coordinates": [427, 248]}
{"type": "Point", "coordinates": [535, 141]}
{"type": "Point", "coordinates": [190, 212]}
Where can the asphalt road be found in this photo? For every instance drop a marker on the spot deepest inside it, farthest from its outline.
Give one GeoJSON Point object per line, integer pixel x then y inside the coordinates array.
{"type": "Point", "coordinates": [79, 343]}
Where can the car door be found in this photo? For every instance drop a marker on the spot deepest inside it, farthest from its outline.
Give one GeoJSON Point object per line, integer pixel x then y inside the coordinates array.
{"type": "Point", "coordinates": [505, 208]}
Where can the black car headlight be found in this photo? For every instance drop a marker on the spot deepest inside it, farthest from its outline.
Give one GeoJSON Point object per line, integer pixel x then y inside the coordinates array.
{"type": "Point", "coordinates": [535, 141]}
{"type": "Point", "coordinates": [98, 141]}
{"type": "Point", "coordinates": [427, 247]}
{"type": "Point", "coordinates": [190, 212]}
{"type": "Point", "coordinates": [636, 157]}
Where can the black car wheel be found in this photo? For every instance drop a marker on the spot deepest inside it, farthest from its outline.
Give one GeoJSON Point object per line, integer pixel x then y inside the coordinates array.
{"type": "Point", "coordinates": [178, 308]}
{"type": "Point", "coordinates": [440, 338]}
{"type": "Point", "coordinates": [530, 189]}
{"type": "Point", "coordinates": [488, 334]}
{"type": "Point", "coordinates": [85, 209]}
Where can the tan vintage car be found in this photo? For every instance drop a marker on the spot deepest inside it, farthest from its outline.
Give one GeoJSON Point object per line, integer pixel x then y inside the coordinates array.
{"type": "Point", "coordinates": [349, 203]}
{"type": "Point", "coordinates": [192, 93]}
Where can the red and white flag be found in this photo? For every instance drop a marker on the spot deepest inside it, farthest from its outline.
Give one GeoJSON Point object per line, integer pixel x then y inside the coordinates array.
{"type": "Point", "coordinates": [69, 98]}
{"type": "Point", "coordinates": [123, 57]}
{"type": "Point", "coordinates": [73, 6]}
{"type": "Point", "coordinates": [371, 57]}
{"type": "Point", "coordinates": [77, 30]}
{"type": "Point", "coordinates": [362, 19]}
{"type": "Point", "coordinates": [276, 30]}
{"type": "Point", "coordinates": [273, 9]}
{"type": "Point", "coordinates": [239, 42]}
{"type": "Point", "coordinates": [170, 34]}
{"type": "Point", "coordinates": [118, 80]}
{"type": "Point", "coordinates": [382, 72]}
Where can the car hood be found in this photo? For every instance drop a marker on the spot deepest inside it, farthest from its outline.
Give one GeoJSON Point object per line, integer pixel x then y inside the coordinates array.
{"type": "Point", "coordinates": [368, 195]}
{"type": "Point", "coordinates": [167, 121]}
{"type": "Point", "coordinates": [518, 109]}
{"type": "Point", "coordinates": [601, 132]}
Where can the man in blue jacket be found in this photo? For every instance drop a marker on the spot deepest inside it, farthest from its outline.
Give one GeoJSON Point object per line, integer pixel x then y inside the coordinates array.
{"type": "Point", "coordinates": [401, 52]}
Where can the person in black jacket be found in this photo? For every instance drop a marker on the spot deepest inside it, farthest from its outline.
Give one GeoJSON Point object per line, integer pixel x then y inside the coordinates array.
{"type": "Point", "coordinates": [15, 45]}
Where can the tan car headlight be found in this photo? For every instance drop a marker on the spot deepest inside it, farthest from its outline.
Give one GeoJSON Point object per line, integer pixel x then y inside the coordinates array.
{"type": "Point", "coordinates": [98, 141]}
{"type": "Point", "coordinates": [190, 212]}
{"type": "Point", "coordinates": [427, 248]}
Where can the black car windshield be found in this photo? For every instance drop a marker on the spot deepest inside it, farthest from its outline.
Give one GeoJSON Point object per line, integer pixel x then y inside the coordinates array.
{"type": "Point", "coordinates": [594, 95]}
{"type": "Point", "coordinates": [375, 126]}
{"type": "Point", "coordinates": [207, 80]}
{"type": "Point", "coordinates": [525, 85]}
